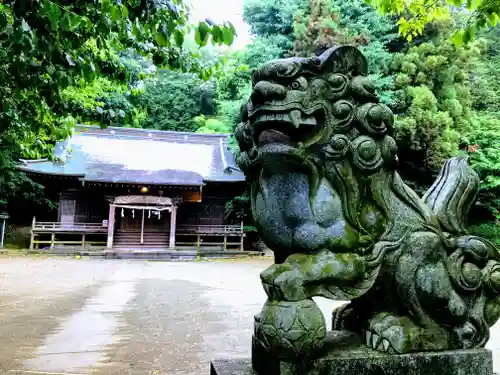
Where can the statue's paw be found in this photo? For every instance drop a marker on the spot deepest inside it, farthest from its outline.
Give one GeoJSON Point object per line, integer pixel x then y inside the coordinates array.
{"type": "Point", "coordinates": [282, 283]}
{"type": "Point", "coordinates": [274, 271]}
{"type": "Point", "coordinates": [286, 287]}
{"type": "Point", "coordinates": [392, 334]}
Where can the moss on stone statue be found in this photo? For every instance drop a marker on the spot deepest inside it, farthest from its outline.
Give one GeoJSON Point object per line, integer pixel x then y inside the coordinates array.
{"type": "Point", "coordinates": [326, 197]}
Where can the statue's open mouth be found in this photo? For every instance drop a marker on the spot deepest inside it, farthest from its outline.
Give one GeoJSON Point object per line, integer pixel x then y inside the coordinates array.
{"type": "Point", "coordinates": [286, 128]}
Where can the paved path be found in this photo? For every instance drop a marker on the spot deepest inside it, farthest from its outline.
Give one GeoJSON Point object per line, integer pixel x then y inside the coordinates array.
{"type": "Point", "coordinates": [129, 317]}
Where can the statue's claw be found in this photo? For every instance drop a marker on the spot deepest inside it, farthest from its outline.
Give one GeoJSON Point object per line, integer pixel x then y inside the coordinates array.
{"type": "Point", "coordinates": [392, 334]}
{"type": "Point", "coordinates": [375, 342]}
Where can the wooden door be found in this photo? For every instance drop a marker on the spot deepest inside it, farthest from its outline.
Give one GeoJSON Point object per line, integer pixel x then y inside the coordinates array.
{"type": "Point", "coordinates": [130, 221]}
{"type": "Point", "coordinates": [67, 208]}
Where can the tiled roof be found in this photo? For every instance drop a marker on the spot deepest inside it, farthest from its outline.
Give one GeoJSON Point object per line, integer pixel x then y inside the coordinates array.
{"type": "Point", "coordinates": [129, 155]}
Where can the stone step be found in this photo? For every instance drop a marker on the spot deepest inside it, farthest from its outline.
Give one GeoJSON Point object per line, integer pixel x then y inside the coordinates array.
{"type": "Point", "coordinates": [165, 230]}
{"type": "Point", "coordinates": [158, 245]}
{"type": "Point", "coordinates": [139, 246]}
{"type": "Point", "coordinates": [138, 238]}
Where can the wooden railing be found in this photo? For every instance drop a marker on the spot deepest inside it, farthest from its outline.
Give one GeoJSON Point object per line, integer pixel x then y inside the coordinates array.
{"type": "Point", "coordinates": [88, 227]}
{"type": "Point", "coordinates": [73, 227]}
{"type": "Point", "coordinates": [49, 230]}
{"type": "Point", "coordinates": [225, 236]}
{"type": "Point", "coordinates": [210, 229]}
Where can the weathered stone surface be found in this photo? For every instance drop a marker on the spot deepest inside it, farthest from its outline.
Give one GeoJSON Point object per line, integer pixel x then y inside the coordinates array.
{"type": "Point", "coordinates": [363, 362]}
{"type": "Point", "coordinates": [317, 147]}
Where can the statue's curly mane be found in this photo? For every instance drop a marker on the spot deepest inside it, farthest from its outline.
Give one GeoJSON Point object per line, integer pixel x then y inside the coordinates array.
{"type": "Point", "coordinates": [317, 147]}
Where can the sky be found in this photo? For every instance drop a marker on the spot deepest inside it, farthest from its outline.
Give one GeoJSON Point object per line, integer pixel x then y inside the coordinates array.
{"type": "Point", "coordinates": [223, 10]}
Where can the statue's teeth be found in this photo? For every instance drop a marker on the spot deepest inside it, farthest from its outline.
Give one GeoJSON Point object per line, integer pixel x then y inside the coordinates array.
{"type": "Point", "coordinates": [375, 341]}
{"type": "Point", "coordinates": [368, 338]}
{"type": "Point", "coordinates": [295, 116]}
{"type": "Point", "coordinates": [386, 345]}
{"type": "Point", "coordinates": [310, 120]}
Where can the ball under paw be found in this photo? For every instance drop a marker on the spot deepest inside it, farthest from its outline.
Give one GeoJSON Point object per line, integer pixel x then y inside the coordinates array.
{"type": "Point", "coordinates": [291, 329]}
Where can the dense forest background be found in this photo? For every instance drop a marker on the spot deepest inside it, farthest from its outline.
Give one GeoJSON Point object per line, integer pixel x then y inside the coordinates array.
{"type": "Point", "coordinates": [445, 95]}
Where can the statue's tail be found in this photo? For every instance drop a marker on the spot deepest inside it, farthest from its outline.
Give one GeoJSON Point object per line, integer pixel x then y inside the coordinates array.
{"type": "Point", "coordinates": [452, 195]}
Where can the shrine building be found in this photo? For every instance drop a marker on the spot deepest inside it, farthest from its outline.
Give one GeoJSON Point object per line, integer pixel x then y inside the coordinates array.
{"type": "Point", "coordinates": [129, 189]}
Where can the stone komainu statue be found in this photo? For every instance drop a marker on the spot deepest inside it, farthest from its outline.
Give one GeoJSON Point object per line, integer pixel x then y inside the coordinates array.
{"type": "Point", "coordinates": [316, 147]}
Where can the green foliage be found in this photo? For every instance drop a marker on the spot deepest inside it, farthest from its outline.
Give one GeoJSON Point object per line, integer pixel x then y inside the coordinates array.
{"type": "Point", "coordinates": [485, 134]}
{"type": "Point", "coordinates": [17, 185]}
{"type": "Point", "coordinates": [101, 102]}
{"type": "Point", "coordinates": [47, 46]}
{"type": "Point", "coordinates": [434, 100]}
{"type": "Point", "coordinates": [264, 49]}
{"type": "Point", "coordinates": [319, 28]}
{"type": "Point", "coordinates": [492, 35]}
{"type": "Point", "coordinates": [210, 125]}
{"type": "Point", "coordinates": [485, 89]}
{"type": "Point", "coordinates": [330, 22]}
{"type": "Point", "coordinates": [272, 23]}
{"type": "Point", "coordinates": [272, 17]}
{"type": "Point", "coordinates": [233, 89]}
{"type": "Point", "coordinates": [435, 86]}
{"type": "Point", "coordinates": [490, 231]}
{"type": "Point", "coordinates": [238, 210]}
{"type": "Point", "coordinates": [379, 33]}
{"type": "Point", "coordinates": [171, 101]}
{"type": "Point", "coordinates": [416, 14]}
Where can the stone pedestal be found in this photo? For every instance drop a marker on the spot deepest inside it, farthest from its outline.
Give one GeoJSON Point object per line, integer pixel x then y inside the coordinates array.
{"type": "Point", "coordinates": [358, 360]}
{"type": "Point", "coordinates": [464, 362]}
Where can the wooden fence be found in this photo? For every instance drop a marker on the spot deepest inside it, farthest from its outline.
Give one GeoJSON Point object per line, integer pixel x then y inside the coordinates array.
{"type": "Point", "coordinates": [51, 233]}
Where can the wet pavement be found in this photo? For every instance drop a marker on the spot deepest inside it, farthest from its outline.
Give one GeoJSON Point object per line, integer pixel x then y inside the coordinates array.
{"type": "Point", "coordinates": [62, 316]}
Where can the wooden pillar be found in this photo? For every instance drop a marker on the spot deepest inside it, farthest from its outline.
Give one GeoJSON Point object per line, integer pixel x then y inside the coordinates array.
{"type": "Point", "coordinates": [173, 218]}
{"type": "Point", "coordinates": [111, 226]}
{"type": "Point", "coordinates": [32, 240]}
{"type": "Point", "coordinates": [2, 233]}
{"type": "Point", "coordinates": [242, 234]}
{"type": "Point", "coordinates": [52, 240]}
{"type": "Point", "coordinates": [142, 227]}
{"type": "Point", "coordinates": [225, 242]}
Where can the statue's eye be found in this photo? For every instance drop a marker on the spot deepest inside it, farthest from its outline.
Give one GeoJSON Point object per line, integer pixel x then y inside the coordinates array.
{"type": "Point", "coordinates": [299, 84]}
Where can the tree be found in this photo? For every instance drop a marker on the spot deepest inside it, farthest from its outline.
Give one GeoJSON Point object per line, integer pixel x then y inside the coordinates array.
{"type": "Point", "coordinates": [171, 101]}
{"type": "Point", "coordinates": [435, 104]}
{"type": "Point", "coordinates": [330, 22]}
{"type": "Point", "coordinates": [210, 125]}
{"type": "Point", "coordinates": [263, 49]}
{"type": "Point", "coordinates": [47, 46]}
{"type": "Point", "coordinates": [485, 138]}
{"type": "Point", "coordinates": [485, 132]}
{"type": "Point", "coordinates": [271, 22]}
{"type": "Point", "coordinates": [320, 28]}
{"type": "Point", "coordinates": [272, 17]}
{"type": "Point", "coordinates": [416, 14]}
{"type": "Point", "coordinates": [486, 76]}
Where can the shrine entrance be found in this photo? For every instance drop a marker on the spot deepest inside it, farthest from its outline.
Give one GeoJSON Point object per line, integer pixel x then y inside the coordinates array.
{"type": "Point", "coordinates": [150, 219]}
{"type": "Point", "coordinates": [142, 214]}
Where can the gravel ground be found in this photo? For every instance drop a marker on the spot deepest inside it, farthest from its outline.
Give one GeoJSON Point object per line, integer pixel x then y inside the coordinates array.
{"type": "Point", "coordinates": [130, 317]}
